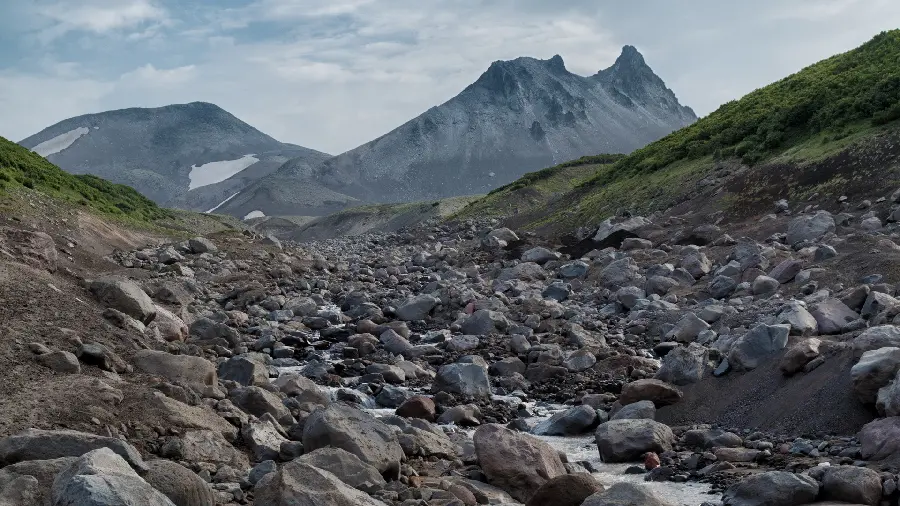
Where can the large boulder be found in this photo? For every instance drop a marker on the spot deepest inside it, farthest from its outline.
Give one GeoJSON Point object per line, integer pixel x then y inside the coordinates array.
{"type": "Point", "coordinates": [880, 439]}
{"type": "Point", "coordinates": [687, 328]}
{"type": "Point", "coordinates": [660, 392]}
{"type": "Point", "coordinates": [484, 321]}
{"type": "Point", "coordinates": [342, 426]}
{"type": "Point", "coordinates": [613, 231]}
{"type": "Point", "coordinates": [204, 446]}
{"type": "Point", "coordinates": [629, 440]}
{"type": "Point", "coordinates": [619, 273]}
{"type": "Point", "coordinates": [882, 336]}
{"type": "Point", "coordinates": [301, 388]}
{"type": "Point", "coordinates": [721, 287]}
{"type": "Point", "coordinates": [875, 369]}
{"type": "Point", "coordinates": [126, 296]}
{"type": "Point", "coordinates": [197, 372]}
{"type": "Point", "coordinates": [773, 488]}
{"type": "Point", "coordinates": [37, 444]}
{"type": "Point", "coordinates": [809, 228]}
{"type": "Point", "coordinates": [244, 370]}
{"type": "Point", "coordinates": [181, 485]}
{"type": "Point", "coordinates": [852, 484]}
{"type": "Point", "coordinates": [299, 483]}
{"type": "Point", "coordinates": [794, 313]}
{"type": "Point", "coordinates": [833, 316]}
{"type": "Point", "coordinates": [263, 438]}
{"type": "Point", "coordinates": [417, 308]}
{"type": "Point", "coordinates": [786, 271]}
{"type": "Point", "coordinates": [758, 344]}
{"type": "Point", "coordinates": [103, 478]}
{"type": "Point", "coordinates": [626, 494]}
{"type": "Point", "coordinates": [796, 358]}
{"type": "Point", "coordinates": [33, 493]}
{"type": "Point", "coordinates": [636, 411]}
{"type": "Point", "coordinates": [518, 463]}
{"type": "Point", "coordinates": [566, 490]}
{"type": "Point", "coordinates": [258, 401]}
{"type": "Point", "coordinates": [570, 422]}
{"type": "Point", "coordinates": [470, 380]}
{"type": "Point", "coordinates": [348, 467]}
{"type": "Point", "coordinates": [684, 365]}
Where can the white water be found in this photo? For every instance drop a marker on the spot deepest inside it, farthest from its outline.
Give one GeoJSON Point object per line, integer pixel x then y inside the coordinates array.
{"type": "Point", "coordinates": [60, 142]}
{"type": "Point", "coordinates": [223, 202]}
{"type": "Point", "coordinates": [214, 172]}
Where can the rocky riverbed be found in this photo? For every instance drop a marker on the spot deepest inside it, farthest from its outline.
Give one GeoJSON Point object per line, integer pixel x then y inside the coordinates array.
{"type": "Point", "coordinates": [658, 361]}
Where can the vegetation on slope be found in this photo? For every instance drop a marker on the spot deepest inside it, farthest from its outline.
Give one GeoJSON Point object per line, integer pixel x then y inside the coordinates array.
{"type": "Point", "coordinates": [21, 167]}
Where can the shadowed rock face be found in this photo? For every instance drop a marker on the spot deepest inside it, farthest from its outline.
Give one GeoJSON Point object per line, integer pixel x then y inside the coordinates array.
{"type": "Point", "coordinates": [153, 150]}
{"type": "Point", "coordinates": [519, 116]}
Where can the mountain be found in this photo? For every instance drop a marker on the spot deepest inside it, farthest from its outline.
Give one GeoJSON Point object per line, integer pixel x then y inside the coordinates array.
{"type": "Point", "coordinates": [520, 115]}
{"type": "Point", "coordinates": [827, 131]}
{"type": "Point", "coordinates": [192, 156]}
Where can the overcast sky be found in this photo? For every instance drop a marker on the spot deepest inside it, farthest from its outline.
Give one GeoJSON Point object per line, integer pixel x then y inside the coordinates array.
{"type": "Point", "coordinates": [333, 74]}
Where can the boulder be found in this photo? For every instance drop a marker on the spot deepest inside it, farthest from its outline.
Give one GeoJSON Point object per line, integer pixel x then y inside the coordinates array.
{"type": "Point", "coordinates": [60, 361]}
{"type": "Point", "coordinates": [880, 439]}
{"type": "Point", "coordinates": [684, 365]}
{"type": "Point", "coordinates": [299, 483]}
{"type": "Point", "coordinates": [660, 392]}
{"type": "Point", "coordinates": [570, 422]}
{"type": "Point", "coordinates": [627, 494]}
{"type": "Point", "coordinates": [877, 302]}
{"type": "Point", "coordinates": [207, 331]}
{"type": "Point", "coordinates": [687, 328]}
{"type": "Point", "coordinates": [566, 490]}
{"type": "Point", "coordinates": [126, 296]}
{"type": "Point", "coordinates": [470, 380]}
{"type": "Point", "coordinates": [888, 400]}
{"type": "Point", "coordinates": [873, 338]}
{"type": "Point", "coordinates": [32, 493]}
{"type": "Point", "coordinates": [773, 488]}
{"type": "Point", "coordinates": [418, 407]}
{"type": "Point", "coordinates": [833, 316]}
{"type": "Point", "coordinates": [301, 388]}
{"type": "Point", "coordinates": [640, 410]}
{"type": "Point", "coordinates": [809, 228]}
{"type": "Point", "coordinates": [796, 358]}
{"type": "Point", "coordinates": [518, 463]}
{"type": "Point", "coordinates": [244, 370]}
{"type": "Point", "coordinates": [395, 343]}
{"type": "Point", "coordinates": [539, 255]}
{"type": "Point", "coordinates": [801, 321]}
{"type": "Point", "coordinates": [697, 264]}
{"type": "Point", "coordinates": [764, 285]}
{"type": "Point", "coordinates": [613, 231]}
{"type": "Point", "coordinates": [629, 440]}
{"type": "Point", "coordinates": [197, 372]}
{"type": "Point", "coordinates": [786, 271]}
{"type": "Point", "coordinates": [171, 327]}
{"type": "Point", "coordinates": [204, 446]}
{"type": "Point", "coordinates": [619, 273]}
{"type": "Point", "coordinates": [342, 426]}
{"type": "Point", "coordinates": [483, 322]}
{"type": "Point", "coordinates": [875, 369]}
{"type": "Point", "coordinates": [629, 295]}
{"type": "Point", "coordinates": [199, 245]}
{"type": "Point", "coordinates": [263, 439]}
{"type": "Point", "coordinates": [721, 287]}
{"type": "Point", "coordinates": [758, 344]}
{"type": "Point", "coordinates": [348, 467]}
{"type": "Point", "coordinates": [711, 438]}
{"type": "Point", "coordinates": [181, 485]}
{"type": "Point", "coordinates": [258, 401]}
{"type": "Point", "coordinates": [103, 478]}
{"type": "Point", "coordinates": [37, 444]}
{"type": "Point", "coordinates": [417, 308]}
{"type": "Point", "coordinates": [852, 484]}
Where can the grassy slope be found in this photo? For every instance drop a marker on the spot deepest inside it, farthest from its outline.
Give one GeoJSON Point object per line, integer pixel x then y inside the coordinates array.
{"type": "Point", "coordinates": [805, 117]}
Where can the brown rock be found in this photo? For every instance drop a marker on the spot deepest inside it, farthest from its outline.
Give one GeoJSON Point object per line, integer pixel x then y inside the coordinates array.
{"type": "Point", "coordinates": [418, 407]}
{"type": "Point", "coordinates": [518, 463]}
{"type": "Point", "coordinates": [566, 490]}
{"type": "Point", "coordinates": [660, 392]}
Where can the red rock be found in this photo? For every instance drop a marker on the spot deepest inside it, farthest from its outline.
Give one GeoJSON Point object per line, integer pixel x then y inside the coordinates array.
{"type": "Point", "coordinates": [651, 461]}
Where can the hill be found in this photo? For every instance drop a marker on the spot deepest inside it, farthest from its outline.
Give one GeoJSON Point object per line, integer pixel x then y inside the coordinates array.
{"type": "Point", "coordinates": [192, 156]}
{"type": "Point", "coordinates": [520, 115]}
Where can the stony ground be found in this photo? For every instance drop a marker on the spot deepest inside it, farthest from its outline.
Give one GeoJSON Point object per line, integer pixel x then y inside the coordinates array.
{"type": "Point", "coordinates": [405, 368]}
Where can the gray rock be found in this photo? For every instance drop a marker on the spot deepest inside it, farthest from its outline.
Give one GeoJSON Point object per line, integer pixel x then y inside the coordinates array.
{"type": "Point", "coordinates": [801, 321]}
{"type": "Point", "coordinates": [417, 308]}
{"type": "Point", "coordinates": [809, 228]}
{"type": "Point", "coordinates": [258, 401]}
{"type": "Point", "coordinates": [103, 478]}
{"type": "Point", "coordinates": [697, 264]}
{"type": "Point", "coordinates": [626, 494]}
{"type": "Point", "coordinates": [574, 269]}
{"type": "Point", "coordinates": [348, 467]}
{"type": "Point", "coordinates": [660, 285]}
{"type": "Point", "coordinates": [875, 369]}
{"type": "Point", "coordinates": [833, 316]}
{"type": "Point", "coordinates": [773, 488]}
{"type": "Point", "coordinates": [615, 230]}
{"type": "Point", "coordinates": [876, 303]}
{"type": "Point", "coordinates": [263, 439]}
{"type": "Point", "coordinates": [260, 470]}
{"type": "Point", "coordinates": [301, 388]}
{"type": "Point", "coordinates": [395, 343]}
{"type": "Point", "coordinates": [516, 462]}
{"type": "Point", "coordinates": [298, 483]}
{"type": "Point", "coordinates": [539, 255]}
{"type": "Point", "coordinates": [721, 287]}
{"type": "Point", "coordinates": [629, 440]}
{"type": "Point", "coordinates": [244, 370]}
{"type": "Point", "coordinates": [566, 490]}
{"type": "Point", "coordinates": [629, 295]}
{"type": "Point", "coordinates": [205, 446]}
{"type": "Point", "coordinates": [483, 322]}
{"type": "Point", "coordinates": [660, 392]}
{"type": "Point", "coordinates": [684, 365]}
{"type": "Point", "coordinates": [201, 245]}
{"type": "Point", "coordinates": [712, 438]}
{"type": "Point", "coordinates": [641, 410]}
{"type": "Point", "coordinates": [764, 285]}
{"type": "Point", "coordinates": [687, 328]}
{"type": "Point", "coordinates": [888, 401]}
{"type": "Point", "coordinates": [204, 329]}
{"type": "Point", "coordinates": [469, 380]}
{"type": "Point", "coordinates": [557, 291]}
{"type": "Point", "coordinates": [873, 338]}
{"type": "Point", "coordinates": [796, 358]}
{"type": "Point", "coordinates": [37, 444]}
{"type": "Point", "coordinates": [824, 252]}
{"type": "Point", "coordinates": [126, 296]}
{"type": "Point", "coordinates": [60, 361]}
{"type": "Point", "coordinates": [181, 485]}
{"type": "Point", "coordinates": [570, 422]}
{"type": "Point", "coordinates": [580, 360]}
{"type": "Point", "coordinates": [762, 341]}
{"type": "Point", "coordinates": [342, 426]}
{"type": "Point", "coordinates": [197, 372]}
{"type": "Point", "coordinates": [852, 484]}
{"type": "Point", "coordinates": [633, 243]}
{"type": "Point", "coordinates": [786, 271]}
{"type": "Point", "coordinates": [880, 439]}
{"type": "Point", "coordinates": [619, 273]}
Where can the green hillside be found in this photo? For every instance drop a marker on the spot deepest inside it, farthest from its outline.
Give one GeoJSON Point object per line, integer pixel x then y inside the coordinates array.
{"type": "Point", "coordinates": [20, 167]}
{"type": "Point", "coordinates": [808, 116]}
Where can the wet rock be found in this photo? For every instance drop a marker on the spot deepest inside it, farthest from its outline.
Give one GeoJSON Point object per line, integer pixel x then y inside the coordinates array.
{"type": "Point", "coordinates": [299, 483]}
{"type": "Point", "coordinates": [628, 440]}
{"type": "Point", "coordinates": [684, 365]}
{"type": "Point", "coordinates": [773, 488]}
{"type": "Point", "coordinates": [660, 392]}
{"type": "Point", "coordinates": [762, 341]}
{"type": "Point", "coordinates": [342, 426]}
{"type": "Point", "coordinates": [102, 477]}
{"type": "Point", "coordinates": [566, 490]}
{"type": "Point", "coordinates": [517, 463]}
{"type": "Point", "coordinates": [126, 296]}
{"type": "Point", "coordinates": [570, 422]}
{"type": "Point", "coordinates": [796, 358]}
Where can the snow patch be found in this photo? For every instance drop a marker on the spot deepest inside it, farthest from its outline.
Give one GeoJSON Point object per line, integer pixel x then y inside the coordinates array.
{"type": "Point", "coordinates": [255, 214]}
{"type": "Point", "coordinates": [223, 202]}
{"type": "Point", "coordinates": [60, 142]}
{"type": "Point", "coordinates": [214, 172]}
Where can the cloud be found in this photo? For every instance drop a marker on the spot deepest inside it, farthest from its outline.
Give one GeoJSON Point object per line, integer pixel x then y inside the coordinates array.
{"type": "Point", "coordinates": [150, 76]}
{"type": "Point", "coordinates": [98, 16]}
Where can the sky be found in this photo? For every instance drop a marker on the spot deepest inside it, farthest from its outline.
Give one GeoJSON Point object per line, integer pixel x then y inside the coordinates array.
{"type": "Point", "coordinates": [334, 74]}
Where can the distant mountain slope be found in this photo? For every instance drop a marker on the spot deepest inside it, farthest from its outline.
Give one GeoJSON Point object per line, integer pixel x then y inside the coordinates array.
{"type": "Point", "coordinates": [519, 116]}
{"type": "Point", "coordinates": [187, 155]}
{"type": "Point", "coordinates": [825, 131]}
